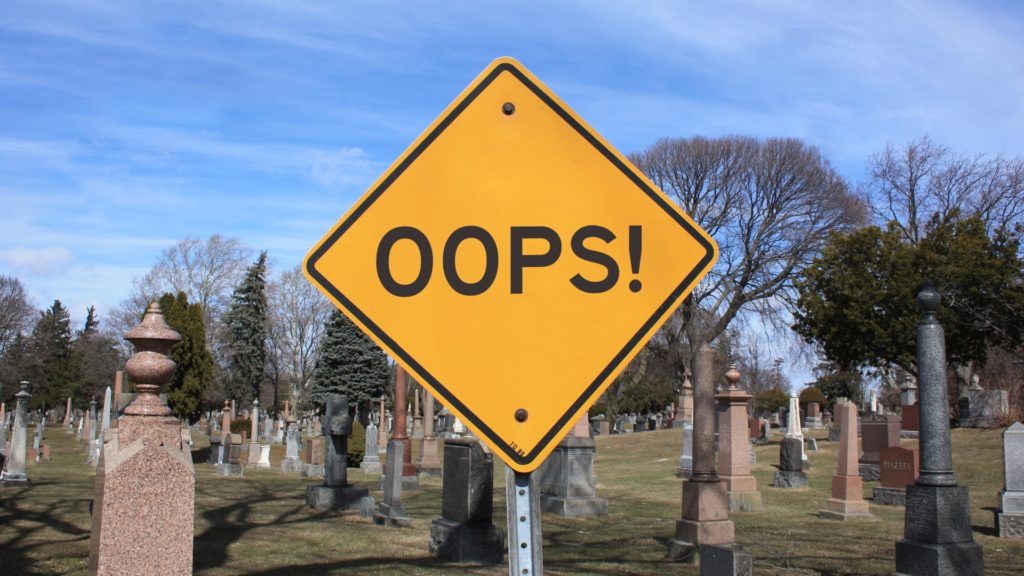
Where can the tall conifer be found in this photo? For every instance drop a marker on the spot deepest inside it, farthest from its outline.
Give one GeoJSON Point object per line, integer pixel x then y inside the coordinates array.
{"type": "Point", "coordinates": [246, 320]}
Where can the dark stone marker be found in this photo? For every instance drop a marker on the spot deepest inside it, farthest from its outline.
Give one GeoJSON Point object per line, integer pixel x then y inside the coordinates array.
{"type": "Point", "coordinates": [391, 512]}
{"type": "Point", "coordinates": [725, 560]}
{"type": "Point", "coordinates": [465, 532]}
{"type": "Point", "coordinates": [790, 473]}
{"type": "Point", "coordinates": [877, 432]}
{"type": "Point", "coordinates": [336, 493]}
{"type": "Point", "coordinates": [937, 538]}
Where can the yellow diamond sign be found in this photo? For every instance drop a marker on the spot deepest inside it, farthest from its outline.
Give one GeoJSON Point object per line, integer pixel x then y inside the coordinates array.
{"type": "Point", "coordinates": [512, 261]}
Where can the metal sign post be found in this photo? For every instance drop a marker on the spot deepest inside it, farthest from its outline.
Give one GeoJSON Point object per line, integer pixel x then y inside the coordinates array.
{"type": "Point", "coordinates": [525, 548]}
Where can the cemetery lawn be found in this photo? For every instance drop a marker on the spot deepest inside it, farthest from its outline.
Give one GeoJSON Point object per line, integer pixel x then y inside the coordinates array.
{"type": "Point", "coordinates": [259, 525]}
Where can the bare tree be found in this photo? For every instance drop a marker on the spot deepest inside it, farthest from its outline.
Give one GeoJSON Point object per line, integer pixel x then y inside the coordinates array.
{"type": "Point", "coordinates": [296, 315]}
{"type": "Point", "coordinates": [922, 180]}
{"type": "Point", "coordinates": [205, 270]}
{"type": "Point", "coordinates": [16, 311]}
{"type": "Point", "coordinates": [769, 204]}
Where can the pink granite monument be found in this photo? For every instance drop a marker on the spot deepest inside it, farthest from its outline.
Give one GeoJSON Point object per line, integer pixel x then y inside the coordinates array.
{"type": "Point", "coordinates": [734, 446]}
{"type": "Point", "coordinates": [143, 512]}
{"type": "Point", "coordinates": [847, 499]}
{"type": "Point", "coordinates": [428, 463]}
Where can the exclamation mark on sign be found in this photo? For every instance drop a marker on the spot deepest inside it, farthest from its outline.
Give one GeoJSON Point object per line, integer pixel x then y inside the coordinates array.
{"type": "Point", "coordinates": [636, 247]}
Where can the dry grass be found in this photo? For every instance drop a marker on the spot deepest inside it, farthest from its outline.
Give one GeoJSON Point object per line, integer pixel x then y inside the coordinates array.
{"type": "Point", "coordinates": [259, 524]}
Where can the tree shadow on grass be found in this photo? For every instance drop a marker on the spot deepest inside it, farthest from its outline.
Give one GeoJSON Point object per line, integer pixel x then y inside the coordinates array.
{"type": "Point", "coordinates": [988, 530]}
{"type": "Point", "coordinates": [17, 550]}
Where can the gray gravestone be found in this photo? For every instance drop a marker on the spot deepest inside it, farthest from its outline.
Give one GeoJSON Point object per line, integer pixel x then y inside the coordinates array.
{"type": "Point", "coordinates": [391, 512]}
{"type": "Point", "coordinates": [336, 493]}
{"type": "Point", "coordinates": [14, 466]}
{"type": "Point", "coordinates": [790, 473]}
{"type": "Point", "coordinates": [725, 560]}
{"type": "Point", "coordinates": [231, 452]}
{"type": "Point", "coordinates": [465, 532]}
{"type": "Point", "coordinates": [291, 462]}
{"type": "Point", "coordinates": [685, 469]}
{"type": "Point", "coordinates": [937, 538]}
{"type": "Point", "coordinates": [566, 480]}
{"type": "Point", "coordinates": [1010, 517]}
{"type": "Point", "coordinates": [371, 461]}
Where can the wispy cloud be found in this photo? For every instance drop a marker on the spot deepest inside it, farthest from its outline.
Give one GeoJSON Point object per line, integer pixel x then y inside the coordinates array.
{"type": "Point", "coordinates": [37, 261]}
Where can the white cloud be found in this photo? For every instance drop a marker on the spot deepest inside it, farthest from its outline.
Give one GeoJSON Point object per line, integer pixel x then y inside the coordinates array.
{"type": "Point", "coordinates": [37, 261]}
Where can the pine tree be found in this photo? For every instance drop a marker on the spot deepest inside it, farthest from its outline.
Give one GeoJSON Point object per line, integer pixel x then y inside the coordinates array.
{"type": "Point", "coordinates": [246, 321]}
{"type": "Point", "coordinates": [91, 323]}
{"type": "Point", "coordinates": [348, 363]}
{"type": "Point", "coordinates": [52, 366]}
{"type": "Point", "coordinates": [195, 363]}
{"type": "Point", "coordinates": [98, 358]}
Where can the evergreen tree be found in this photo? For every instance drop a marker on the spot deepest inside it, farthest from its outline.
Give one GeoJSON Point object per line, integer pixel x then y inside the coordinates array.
{"type": "Point", "coordinates": [91, 323]}
{"type": "Point", "coordinates": [52, 365]}
{"type": "Point", "coordinates": [349, 363]}
{"type": "Point", "coordinates": [195, 363]}
{"type": "Point", "coordinates": [246, 321]}
{"type": "Point", "coordinates": [98, 358]}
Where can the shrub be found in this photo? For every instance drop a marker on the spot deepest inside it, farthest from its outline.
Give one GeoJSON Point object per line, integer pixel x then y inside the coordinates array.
{"type": "Point", "coordinates": [812, 394]}
{"type": "Point", "coordinates": [239, 426]}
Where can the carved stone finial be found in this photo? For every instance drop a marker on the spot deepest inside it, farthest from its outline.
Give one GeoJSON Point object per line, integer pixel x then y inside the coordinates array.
{"type": "Point", "coordinates": [23, 393]}
{"type": "Point", "coordinates": [929, 298]}
{"type": "Point", "coordinates": [149, 367]}
{"type": "Point", "coordinates": [732, 375]}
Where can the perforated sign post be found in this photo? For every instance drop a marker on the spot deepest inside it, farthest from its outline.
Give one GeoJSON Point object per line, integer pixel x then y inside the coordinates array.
{"type": "Point", "coordinates": [512, 261]}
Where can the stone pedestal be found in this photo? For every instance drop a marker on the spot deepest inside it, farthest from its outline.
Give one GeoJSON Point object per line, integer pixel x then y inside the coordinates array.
{"type": "Point", "coordinates": [847, 499]}
{"type": "Point", "coordinates": [705, 519]}
{"type": "Point", "coordinates": [429, 464]}
{"type": "Point", "coordinates": [937, 534]}
{"type": "Point", "coordinates": [465, 532]}
{"type": "Point", "coordinates": [143, 511]}
{"type": "Point", "coordinates": [566, 480]}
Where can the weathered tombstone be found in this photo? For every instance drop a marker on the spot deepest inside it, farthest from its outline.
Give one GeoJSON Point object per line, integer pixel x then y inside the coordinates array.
{"type": "Point", "coordinates": [231, 464]}
{"type": "Point", "coordinates": [465, 531]}
{"type": "Point", "coordinates": [291, 462]}
{"type": "Point", "coordinates": [790, 473]}
{"type": "Point", "coordinates": [3, 429]}
{"type": "Point", "coordinates": [899, 469]}
{"type": "Point", "coordinates": [705, 516]}
{"type": "Point", "coordinates": [812, 445]}
{"type": "Point", "coordinates": [143, 511]}
{"type": "Point", "coordinates": [371, 461]}
{"type": "Point", "coordinates": [793, 427]}
{"type": "Point", "coordinates": [17, 456]}
{"type": "Point", "coordinates": [937, 537]}
{"type": "Point", "coordinates": [1010, 517]}
{"type": "Point", "coordinates": [734, 447]}
{"type": "Point", "coordinates": [984, 408]}
{"type": "Point", "coordinates": [336, 493]}
{"type": "Point", "coordinates": [684, 407]}
{"type": "Point", "coordinates": [428, 463]}
{"type": "Point", "coordinates": [847, 499]}
{"type": "Point", "coordinates": [813, 420]}
{"type": "Point", "coordinates": [725, 560]}
{"type": "Point", "coordinates": [107, 401]}
{"type": "Point", "coordinates": [254, 445]}
{"type": "Point", "coordinates": [67, 416]}
{"type": "Point", "coordinates": [566, 478]}
{"type": "Point", "coordinates": [877, 431]}
{"type": "Point", "coordinates": [391, 512]}
{"type": "Point", "coordinates": [685, 469]}
{"type": "Point", "coordinates": [313, 458]}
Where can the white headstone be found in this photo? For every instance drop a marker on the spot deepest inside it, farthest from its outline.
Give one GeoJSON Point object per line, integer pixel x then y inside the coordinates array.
{"type": "Point", "coordinates": [106, 411]}
{"type": "Point", "coordinates": [793, 429]}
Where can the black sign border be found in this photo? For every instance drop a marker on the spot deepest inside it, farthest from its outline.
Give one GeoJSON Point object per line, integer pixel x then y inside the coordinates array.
{"type": "Point", "coordinates": [449, 398]}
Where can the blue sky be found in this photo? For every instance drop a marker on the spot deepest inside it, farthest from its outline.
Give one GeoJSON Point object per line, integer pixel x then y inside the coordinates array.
{"type": "Point", "coordinates": [126, 126]}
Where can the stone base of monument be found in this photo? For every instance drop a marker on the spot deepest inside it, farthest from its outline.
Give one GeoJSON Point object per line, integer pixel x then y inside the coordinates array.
{"type": "Point", "coordinates": [728, 560]}
{"type": "Point", "coordinates": [705, 520]}
{"type": "Point", "coordinates": [335, 497]}
{"type": "Point", "coordinates": [371, 467]}
{"type": "Point", "coordinates": [684, 471]}
{"type": "Point", "coordinates": [1010, 525]}
{"type": "Point", "coordinates": [836, 509]}
{"type": "Point", "coordinates": [870, 472]}
{"type": "Point", "coordinates": [392, 516]}
{"type": "Point", "coordinates": [13, 479]}
{"type": "Point", "coordinates": [230, 470]}
{"type": "Point", "coordinates": [813, 424]}
{"type": "Point", "coordinates": [790, 479]}
{"type": "Point", "coordinates": [312, 470]}
{"type": "Point", "coordinates": [408, 483]}
{"type": "Point", "coordinates": [909, 434]}
{"type": "Point", "coordinates": [938, 536]}
{"type": "Point", "coordinates": [291, 466]}
{"type": "Point", "coordinates": [430, 472]}
{"type": "Point", "coordinates": [458, 542]}
{"type": "Point", "coordinates": [889, 496]}
{"type": "Point", "coordinates": [745, 501]}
